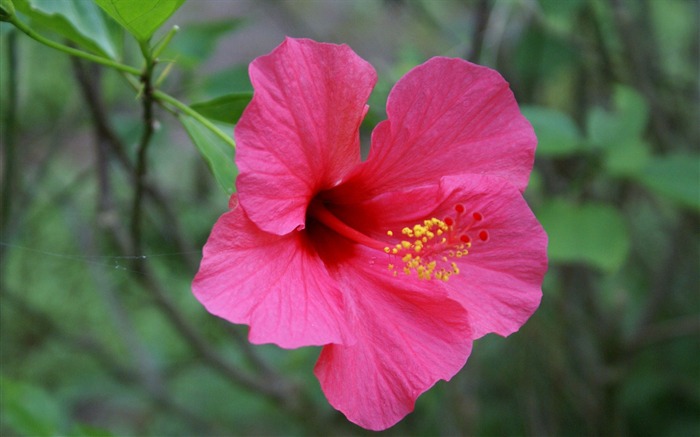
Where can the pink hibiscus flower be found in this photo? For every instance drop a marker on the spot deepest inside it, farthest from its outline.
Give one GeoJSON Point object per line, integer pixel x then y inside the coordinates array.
{"type": "Point", "coordinates": [396, 264]}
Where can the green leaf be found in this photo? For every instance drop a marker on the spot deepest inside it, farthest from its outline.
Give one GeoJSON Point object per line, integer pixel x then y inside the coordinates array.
{"type": "Point", "coordinates": [557, 135]}
{"type": "Point", "coordinates": [591, 233]}
{"type": "Point", "coordinates": [602, 128]}
{"type": "Point", "coordinates": [7, 10]}
{"type": "Point", "coordinates": [196, 42]}
{"type": "Point", "coordinates": [676, 177]}
{"type": "Point", "coordinates": [228, 81]}
{"type": "Point", "coordinates": [226, 109]}
{"type": "Point", "coordinates": [217, 154]}
{"type": "Point", "coordinates": [626, 121]}
{"type": "Point", "coordinates": [28, 409]}
{"type": "Point", "coordinates": [78, 21]}
{"type": "Point", "coordinates": [632, 110]}
{"type": "Point", "coordinates": [90, 431]}
{"type": "Point", "coordinates": [140, 17]}
{"type": "Point", "coordinates": [628, 158]}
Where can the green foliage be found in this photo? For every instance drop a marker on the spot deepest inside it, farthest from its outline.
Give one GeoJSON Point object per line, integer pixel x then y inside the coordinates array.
{"type": "Point", "coordinates": [232, 80]}
{"type": "Point", "coordinates": [619, 132]}
{"type": "Point", "coordinates": [81, 22]}
{"type": "Point", "coordinates": [557, 135]}
{"type": "Point", "coordinates": [90, 431]}
{"type": "Point", "coordinates": [7, 9]}
{"type": "Point", "coordinates": [217, 154]}
{"type": "Point", "coordinates": [140, 17]}
{"type": "Point", "coordinates": [590, 233]}
{"type": "Point", "coordinates": [226, 109]}
{"type": "Point", "coordinates": [29, 410]}
{"type": "Point", "coordinates": [676, 177]}
{"type": "Point", "coordinates": [625, 122]}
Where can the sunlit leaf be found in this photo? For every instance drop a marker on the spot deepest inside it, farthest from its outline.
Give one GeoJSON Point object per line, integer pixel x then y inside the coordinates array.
{"type": "Point", "coordinates": [140, 17]}
{"type": "Point", "coordinates": [216, 152]}
{"type": "Point", "coordinates": [590, 233]}
{"type": "Point", "coordinates": [676, 177]}
{"type": "Point", "coordinates": [81, 22]}
{"type": "Point", "coordinates": [557, 135]}
{"type": "Point", "coordinates": [226, 109]}
{"type": "Point", "coordinates": [7, 10]}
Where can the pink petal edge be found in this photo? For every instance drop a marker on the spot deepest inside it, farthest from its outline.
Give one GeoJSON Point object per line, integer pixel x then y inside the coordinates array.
{"type": "Point", "coordinates": [500, 280]}
{"type": "Point", "coordinates": [448, 116]}
{"type": "Point", "coordinates": [300, 133]}
{"type": "Point", "coordinates": [277, 285]}
{"type": "Point", "coordinates": [409, 336]}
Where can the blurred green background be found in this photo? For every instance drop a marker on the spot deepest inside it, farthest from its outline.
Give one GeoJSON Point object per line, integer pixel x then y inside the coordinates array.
{"type": "Point", "coordinates": [92, 344]}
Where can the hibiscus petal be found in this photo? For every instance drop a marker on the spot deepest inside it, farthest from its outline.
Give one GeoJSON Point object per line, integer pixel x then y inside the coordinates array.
{"type": "Point", "coordinates": [300, 133]}
{"type": "Point", "coordinates": [500, 280]}
{"type": "Point", "coordinates": [409, 336]}
{"type": "Point", "coordinates": [448, 116]}
{"type": "Point", "coordinates": [277, 285]}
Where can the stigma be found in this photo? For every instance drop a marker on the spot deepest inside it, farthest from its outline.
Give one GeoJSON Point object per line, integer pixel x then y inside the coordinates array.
{"type": "Point", "coordinates": [430, 249]}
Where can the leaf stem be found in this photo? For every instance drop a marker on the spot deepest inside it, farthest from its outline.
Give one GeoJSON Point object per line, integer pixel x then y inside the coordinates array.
{"type": "Point", "coordinates": [159, 95]}
{"type": "Point", "coordinates": [163, 43]}
{"type": "Point", "coordinates": [71, 51]}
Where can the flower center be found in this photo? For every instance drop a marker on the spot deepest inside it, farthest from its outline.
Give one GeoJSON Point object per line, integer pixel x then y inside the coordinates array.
{"type": "Point", "coordinates": [319, 211]}
{"type": "Point", "coordinates": [428, 249]}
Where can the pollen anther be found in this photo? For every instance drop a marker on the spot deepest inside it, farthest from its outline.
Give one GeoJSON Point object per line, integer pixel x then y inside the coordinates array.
{"type": "Point", "coordinates": [430, 247]}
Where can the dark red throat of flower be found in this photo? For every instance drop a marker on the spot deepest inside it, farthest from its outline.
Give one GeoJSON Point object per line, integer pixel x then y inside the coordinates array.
{"type": "Point", "coordinates": [428, 249]}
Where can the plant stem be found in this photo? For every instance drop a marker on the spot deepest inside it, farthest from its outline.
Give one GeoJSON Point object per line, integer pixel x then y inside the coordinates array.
{"type": "Point", "coordinates": [141, 158]}
{"type": "Point", "coordinates": [159, 95]}
{"type": "Point", "coordinates": [71, 51]}
{"type": "Point", "coordinates": [9, 180]}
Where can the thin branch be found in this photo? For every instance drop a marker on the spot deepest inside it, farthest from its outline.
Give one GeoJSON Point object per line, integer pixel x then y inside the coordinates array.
{"type": "Point", "coordinates": [661, 286]}
{"type": "Point", "coordinates": [481, 18]}
{"type": "Point", "coordinates": [141, 157]}
{"type": "Point", "coordinates": [109, 143]}
{"type": "Point", "coordinates": [88, 76]}
{"type": "Point", "coordinates": [662, 332]}
{"type": "Point", "coordinates": [9, 180]}
{"type": "Point", "coordinates": [642, 58]}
